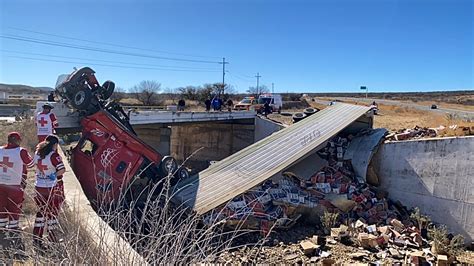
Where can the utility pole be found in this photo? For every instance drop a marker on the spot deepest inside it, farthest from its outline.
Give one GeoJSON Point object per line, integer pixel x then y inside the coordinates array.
{"type": "Point", "coordinates": [258, 78]}
{"type": "Point", "coordinates": [273, 88]}
{"type": "Point", "coordinates": [223, 63]}
{"type": "Point", "coordinates": [366, 90]}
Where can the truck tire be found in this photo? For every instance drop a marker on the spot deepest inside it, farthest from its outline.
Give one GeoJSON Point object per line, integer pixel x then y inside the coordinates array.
{"type": "Point", "coordinates": [81, 98]}
{"type": "Point", "coordinates": [107, 89]}
{"type": "Point", "coordinates": [298, 117]}
{"type": "Point", "coordinates": [309, 111]}
{"type": "Point", "coordinates": [78, 76]}
{"type": "Point", "coordinates": [168, 165]}
{"type": "Point", "coordinates": [182, 173]}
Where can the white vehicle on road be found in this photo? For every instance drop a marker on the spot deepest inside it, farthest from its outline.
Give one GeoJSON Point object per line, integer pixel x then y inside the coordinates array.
{"type": "Point", "coordinates": [275, 101]}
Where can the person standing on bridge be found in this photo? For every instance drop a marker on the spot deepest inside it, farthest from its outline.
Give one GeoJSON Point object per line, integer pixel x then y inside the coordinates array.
{"type": "Point", "coordinates": [208, 104]}
{"type": "Point", "coordinates": [49, 187]}
{"type": "Point", "coordinates": [181, 105]}
{"type": "Point", "coordinates": [14, 161]}
{"type": "Point", "coordinates": [46, 122]}
{"type": "Point", "coordinates": [230, 104]}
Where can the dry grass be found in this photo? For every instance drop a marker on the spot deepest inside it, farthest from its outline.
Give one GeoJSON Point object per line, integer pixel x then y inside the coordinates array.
{"type": "Point", "coordinates": [329, 220]}
{"type": "Point", "coordinates": [396, 117]}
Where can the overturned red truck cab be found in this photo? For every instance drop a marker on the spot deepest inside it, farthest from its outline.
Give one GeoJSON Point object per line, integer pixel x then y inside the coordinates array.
{"type": "Point", "coordinates": [110, 161]}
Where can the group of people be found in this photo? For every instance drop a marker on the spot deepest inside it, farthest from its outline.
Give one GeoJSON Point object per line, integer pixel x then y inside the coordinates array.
{"type": "Point", "coordinates": [49, 169]}
{"type": "Point", "coordinates": [217, 104]}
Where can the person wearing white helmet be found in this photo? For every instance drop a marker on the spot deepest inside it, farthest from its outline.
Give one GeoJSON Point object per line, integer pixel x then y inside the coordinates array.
{"type": "Point", "coordinates": [46, 122]}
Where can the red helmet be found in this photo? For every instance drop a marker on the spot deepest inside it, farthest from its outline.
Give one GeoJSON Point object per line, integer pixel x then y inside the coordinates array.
{"type": "Point", "coordinates": [14, 136]}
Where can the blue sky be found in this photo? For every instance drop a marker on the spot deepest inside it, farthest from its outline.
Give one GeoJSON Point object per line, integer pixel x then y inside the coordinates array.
{"type": "Point", "coordinates": [310, 46]}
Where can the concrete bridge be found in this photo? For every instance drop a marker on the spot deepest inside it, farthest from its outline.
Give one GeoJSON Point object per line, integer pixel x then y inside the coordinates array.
{"type": "Point", "coordinates": [70, 120]}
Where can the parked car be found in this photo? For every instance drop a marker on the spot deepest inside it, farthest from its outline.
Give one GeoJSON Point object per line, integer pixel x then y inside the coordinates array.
{"type": "Point", "coordinates": [434, 106]}
{"type": "Point", "coordinates": [248, 103]}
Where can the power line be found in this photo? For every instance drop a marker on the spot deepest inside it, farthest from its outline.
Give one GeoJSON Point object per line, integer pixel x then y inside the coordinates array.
{"type": "Point", "coordinates": [243, 75]}
{"type": "Point", "coordinates": [106, 61]}
{"type": "Point", "coordinates": [108, 65]}
{"type": "Point", "coordinates": [89, 48]}
{"type": "Point", "coordinates": [109, 44]}
{"type": "Point", "coordinates": [239, 77]}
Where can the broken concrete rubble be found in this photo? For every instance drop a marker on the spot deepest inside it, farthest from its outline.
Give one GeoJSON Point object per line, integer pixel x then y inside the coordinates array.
{"type": "Point", "coordinates": [308, 247]}
{"type": "Point", "coordinates": [424, 132]}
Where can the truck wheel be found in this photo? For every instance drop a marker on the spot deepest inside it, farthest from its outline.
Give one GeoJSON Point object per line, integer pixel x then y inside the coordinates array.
{"type": "Point", "coordinates": [81, 98]}
{"type": "Point", "coordinates": [78, 76]}
{"type": "Point", "coordinates": [107, 89]}
{"type": "Point", "coordinates": [279, 110]}
{"type": "Point", "coordinates": [298, 117]}
{"type": "Point", "coordinates": [168, 165]}
{"type": "Point", "coordinates": [309, 111]}
{"type": "Point", "coordinates": [182, 173]}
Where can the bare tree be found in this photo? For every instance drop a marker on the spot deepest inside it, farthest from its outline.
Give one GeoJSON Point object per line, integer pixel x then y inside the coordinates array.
{"type": "Point", "coordinates": [172, 94]}
{"type": "Point", "coordinates": [147, 92]}
{"type": "Point", "coordinates": [257, 91]}
{"type": "Point", "coordinates": [188, 92]}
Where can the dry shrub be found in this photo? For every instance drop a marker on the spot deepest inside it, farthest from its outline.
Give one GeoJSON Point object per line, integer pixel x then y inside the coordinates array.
{"type": "Point", "coordinates": [27, 130]}
{"type": "Point", "coordinates": [164, 232]}
{"type": "Point", "coordinates": [422, 221]}
{"type": "Point", "coordinates": [443, 244]}
{"type": "Point", "coordinates": [329, 220]}
{"type": "Point", "coordinates": [156, 228]}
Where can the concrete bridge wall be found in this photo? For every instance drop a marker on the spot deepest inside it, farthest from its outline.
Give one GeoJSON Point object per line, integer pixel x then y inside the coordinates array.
{"type": "Point", "coordinates": [157, 136]}
{"type": "Point", "coordinates": [215, 141]}
{"type": "Point", "coordinates": [436, 175]}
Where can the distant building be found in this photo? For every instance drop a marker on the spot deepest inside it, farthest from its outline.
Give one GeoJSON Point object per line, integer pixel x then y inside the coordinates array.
{"type": "Point", "coordinates": [6, 97]}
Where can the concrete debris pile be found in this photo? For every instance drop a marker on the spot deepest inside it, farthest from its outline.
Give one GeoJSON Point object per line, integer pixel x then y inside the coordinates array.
{"type": "Point", "coordinates": [424, 132]}
{"type": "Point", "coordinates": [406, 241]}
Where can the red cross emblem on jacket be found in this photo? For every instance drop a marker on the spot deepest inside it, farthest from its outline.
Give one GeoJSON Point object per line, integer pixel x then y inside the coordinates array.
{"type": "Point", "coordinates": [5, 164]}
{"type": "Point", "coordinates": [43, 122]}
{"type": "Point", "coordinates": [41, 167]}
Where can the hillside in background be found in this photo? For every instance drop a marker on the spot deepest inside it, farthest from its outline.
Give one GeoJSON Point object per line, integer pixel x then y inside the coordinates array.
{"type": "Point", "coordinates": [17, 88]}
{"type": "Point", "coordinates": [465, 97]}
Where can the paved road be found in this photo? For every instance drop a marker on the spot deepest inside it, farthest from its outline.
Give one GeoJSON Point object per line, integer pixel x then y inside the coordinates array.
{"type": "Point", "coordinates": [467, 115]}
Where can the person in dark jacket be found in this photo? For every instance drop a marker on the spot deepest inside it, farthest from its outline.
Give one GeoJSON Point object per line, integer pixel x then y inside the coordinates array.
{"type": "Point", "coordinates": [181, 105]}
{"type": "Point", "coordinates": [230, 104]}
{"type": "Point", "coordinates": [266, 108]}
{"type": "Point", "coordinates": [51, 97]}
{"type": "Point", "coordinates": [208, 104]}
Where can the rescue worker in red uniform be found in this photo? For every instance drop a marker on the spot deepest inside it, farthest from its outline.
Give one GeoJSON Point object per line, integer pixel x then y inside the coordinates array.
{"type": "Point", "coordinates": [14, 161]}
{"type": "Point", "coordinates": [46, 122]}
{"type": "Point", "coordinates": [49, 187]}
